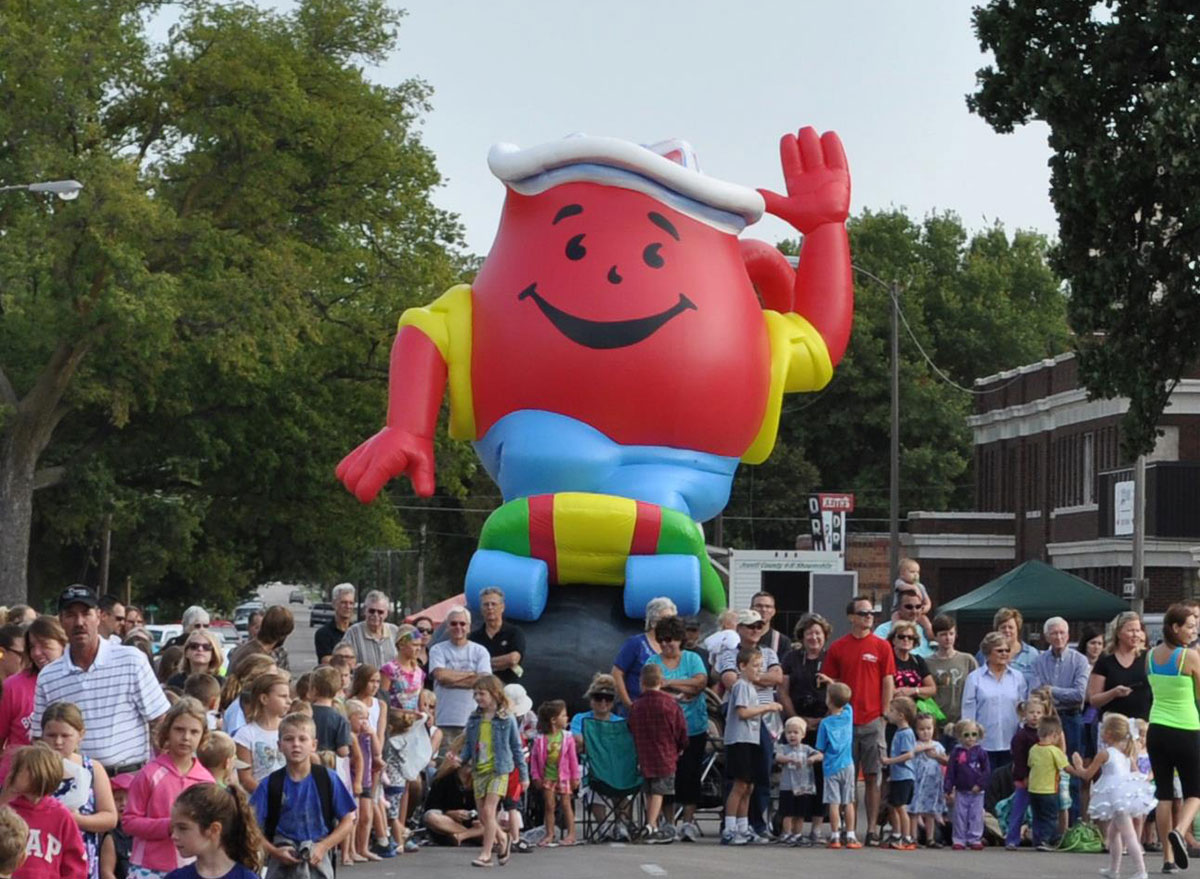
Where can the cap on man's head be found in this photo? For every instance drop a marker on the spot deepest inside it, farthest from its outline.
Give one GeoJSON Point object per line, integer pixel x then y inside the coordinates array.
{"type": "Point", "coordinates": [749, 617]}
{"type": "Point", "coordinates": [77, 594]}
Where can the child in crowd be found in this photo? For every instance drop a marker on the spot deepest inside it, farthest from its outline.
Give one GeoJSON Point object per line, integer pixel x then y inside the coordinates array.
{"type": "Point", "coordinates": [1046, 761]}
{"type": "Point", "coordinates": [835, 736]}
{"type": "Point", "coordinates": [206, 690]}
{"type": "Point", "coordinates": [403, 677]}
{"type": "Point", "coordinates": [321, 809]}
{"type": "Point", "coordinates": [743, 752]}
{"type": "Point", "coordinates": [910, 580]}
{"type": "Point", "coordinates": [521, 708]}
{"type": "Point", "coordinates": [241, 678]}
{"type": "Point", "coordinates": [258, 740]}
{"type": "Point", "coordinates": [117, 845]}
{"type": "Point", "coordinates": [967, 774]}
{"type": "Point", "coordinates": [1145, 824]}
{"type": "Point", "coordinates": [216, 826]}
{"type": "Point", "coordinates": [93, 808]}
{"type": "Point", "coordinates": [1122, 793]}
{"type": "Point", "coordinates": [928, 802]}
{"type": "Point", "coordinates": [427, 704]}
{"type": "Point", "coordinates": [797, 783]}
{"type": "Point", "coordinates": [492, 749]}
{"type": "Point", "coordinates": [364, 687]}
{"type": "Point", "coordinates": [364, 779]}
{"type": "Point", "coordinates": [55, 846]}
{"type": "Point", "coordinates": [554, 767]}
{"type": "Point", "coordinates": [902, 712]}
{"type": "Point", "coordinates": [219, 756]}
{"type": "Point", "coordinates": [333, 730]}
{"type": "Point", "coordinates": [400, 774]}
{"type": "Point", "coordinates": [14, 835]}
{"type": "Point", "coordinates": [346, 651]}
{"type": "Point", "coordinates": [660, 735]}
{"type": "Point", "coordinates": [1032, 711]}
{"type": "Point", "coordinates": [147, 818]}
{"type": "Point", "coordinates": [345, 667]}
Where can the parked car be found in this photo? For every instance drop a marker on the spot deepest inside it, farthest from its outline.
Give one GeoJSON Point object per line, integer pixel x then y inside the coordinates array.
{"type": "Point", "coordinates": [241, 615]}
{"type": "Point", "coordinates": [227, 632]}
{"type": "Point", "coordinates": [161, 634]}
{"type": "Point", "coordinates": [296, 596]}
{"type": "Point", "coordinates": [322, 613]}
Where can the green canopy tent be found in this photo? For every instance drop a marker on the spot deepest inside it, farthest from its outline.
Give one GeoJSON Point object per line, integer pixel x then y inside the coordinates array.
{"type": "Point", "coordinates": [1039, 592]}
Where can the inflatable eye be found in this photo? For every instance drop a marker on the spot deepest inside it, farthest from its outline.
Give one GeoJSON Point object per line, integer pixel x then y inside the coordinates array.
{"type": "Point", "coordinates": [575, 248]}
{"type": "Point", "coordinates": [652, 257]}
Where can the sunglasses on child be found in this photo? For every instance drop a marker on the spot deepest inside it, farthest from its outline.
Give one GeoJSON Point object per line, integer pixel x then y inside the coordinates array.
{"type": "Point", "coordinates": [970, 735]}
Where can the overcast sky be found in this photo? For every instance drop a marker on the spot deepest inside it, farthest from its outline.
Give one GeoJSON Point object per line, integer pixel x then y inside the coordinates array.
{"type": "Point", "coordinates": [730, 78]}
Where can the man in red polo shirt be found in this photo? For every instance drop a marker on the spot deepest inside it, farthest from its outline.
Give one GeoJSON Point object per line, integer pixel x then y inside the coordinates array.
{"type": "Point", "coordinates": [865, 663]}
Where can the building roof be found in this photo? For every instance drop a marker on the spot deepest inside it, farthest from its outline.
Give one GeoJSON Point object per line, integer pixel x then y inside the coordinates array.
{"type": "Point", "coordinates": [1039, 592]}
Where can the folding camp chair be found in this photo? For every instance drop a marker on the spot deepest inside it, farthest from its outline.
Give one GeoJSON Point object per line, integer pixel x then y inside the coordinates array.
{"type": "Point", "coordinates": [612, 777]}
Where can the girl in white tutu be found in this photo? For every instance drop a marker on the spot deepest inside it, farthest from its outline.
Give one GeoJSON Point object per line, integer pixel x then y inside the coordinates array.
{"type": "Point", "coordinates": [1122, 793]}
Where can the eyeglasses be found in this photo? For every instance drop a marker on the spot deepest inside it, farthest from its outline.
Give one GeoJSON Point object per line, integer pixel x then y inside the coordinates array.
{"type": "Point", "coordinates": [374, 611]}
{"type": "Point", "coordinates": [1002, 650]}
{"type": "Point", "coordinates": [425, 631]}
{"type": "Point", "coordinates": [756, 626]}
{"type": "Point", "coordinates": [457, 625]}
{"type": "Point", "coordinates": [911, 606]}
{"type": "Point", "coordinates": [602, 697]}
{"type": "Point", "coordinates": [906, 638]}
{"type": "Point", "coordinates": [970, 735]}
{"type": "Point", "coordinates": [199, 645]}
{"type": "Point", "coordinates": [119, 619]}
{"type": "Point", "coordinates": [761, 607]}
{"type": "Point", "coordinates": [863, 613]}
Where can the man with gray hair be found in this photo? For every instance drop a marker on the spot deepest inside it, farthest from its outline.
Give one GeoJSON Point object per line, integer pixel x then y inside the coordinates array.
{"type": "Point", "coordinates": [454, 666]}
{"type": "Point", "coordinates": [345, 612]}
{"type": "Point", "coordinates": [504, 642]}
{"type": "Point", "coordinates": [195, 617]}
{"type": "Point", "coordinates": [1065, 672]}
{"type": "Point", "coordinates": [374, 639]}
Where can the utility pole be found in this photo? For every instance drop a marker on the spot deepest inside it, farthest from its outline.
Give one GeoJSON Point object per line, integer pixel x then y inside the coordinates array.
{"type": "Point", "coordinates": [1138, 603]}
{"type": "Point", "coordinates": [421, 571]}
{"type": "Point", "coordinates": [894, 475]}
{"type": "Point", "coordinates": [105, 553]}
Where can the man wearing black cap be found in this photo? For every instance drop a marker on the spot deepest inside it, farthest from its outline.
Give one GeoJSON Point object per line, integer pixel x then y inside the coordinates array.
{"type": "Point", "coordinates": [114, 687]}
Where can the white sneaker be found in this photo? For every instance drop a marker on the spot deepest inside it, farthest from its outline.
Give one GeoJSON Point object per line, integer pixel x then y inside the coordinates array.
{"type": "Point", "coordinates": [621, 833]}
{"type": "Point", "coordinates": [689, 832]}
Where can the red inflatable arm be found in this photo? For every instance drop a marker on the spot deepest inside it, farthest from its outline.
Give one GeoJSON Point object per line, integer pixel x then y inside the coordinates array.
{"type": "Point", "coordinates": [817, 204]}
{"type": "Point", "coordinates": [416, 382]}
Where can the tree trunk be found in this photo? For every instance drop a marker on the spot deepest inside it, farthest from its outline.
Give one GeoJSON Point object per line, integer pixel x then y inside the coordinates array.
{"type": "Point", "coordinates": [17, 462]}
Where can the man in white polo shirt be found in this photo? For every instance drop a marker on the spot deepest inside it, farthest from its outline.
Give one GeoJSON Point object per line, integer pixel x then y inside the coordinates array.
{"type": "Point", "coordinates": [114, 687]}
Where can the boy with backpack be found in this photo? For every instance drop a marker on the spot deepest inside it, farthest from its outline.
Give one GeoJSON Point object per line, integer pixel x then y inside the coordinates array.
{"type": "Point", "coordinates": [304, 809]}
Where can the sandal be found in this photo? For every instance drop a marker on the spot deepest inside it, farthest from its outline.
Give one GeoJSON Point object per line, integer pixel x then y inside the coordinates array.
{"type": "Point", "coordinates": [482, 862]}
{"type": "Point", "coordinates": [548, 842]}
{"type": "Point", "coordinates": [522, 846]}
{"type": "Point", "coordinates": [505, 851]}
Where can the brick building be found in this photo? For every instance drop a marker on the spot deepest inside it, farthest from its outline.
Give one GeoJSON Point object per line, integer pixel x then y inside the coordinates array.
{"type": "Point", "coordinates": [1051, 484]}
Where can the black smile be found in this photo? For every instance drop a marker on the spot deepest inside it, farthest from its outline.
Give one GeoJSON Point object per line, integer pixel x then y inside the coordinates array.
{"type": "Point", "coordinates": [605, 334]}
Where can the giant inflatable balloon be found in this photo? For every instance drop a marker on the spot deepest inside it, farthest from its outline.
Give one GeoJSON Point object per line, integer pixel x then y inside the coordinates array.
{"type": "Point", "coordinates": [619, 354]}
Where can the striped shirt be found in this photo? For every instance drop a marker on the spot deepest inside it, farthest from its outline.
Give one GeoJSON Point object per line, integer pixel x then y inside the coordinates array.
{"type": "Point", "coordinates": [118, 696]}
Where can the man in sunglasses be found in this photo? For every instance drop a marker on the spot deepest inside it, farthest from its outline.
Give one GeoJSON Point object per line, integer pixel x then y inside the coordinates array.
{"type": "Point", "coordinates": [908, 607]}
{"type": "Point", "coordinates": [374, 639]}
{"type": "Point", "coordinates": [454, 666]}
{"type": "Point", "coordinates": [112, 618]}
{"type": "Point", "coordinates": [750, 628]}
{"type": "Point", "coordinates": [865, 662]}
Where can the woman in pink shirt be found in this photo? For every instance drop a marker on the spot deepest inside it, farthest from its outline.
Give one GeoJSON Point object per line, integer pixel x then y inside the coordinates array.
{"type": "Point", "coordinates": [45, 642]}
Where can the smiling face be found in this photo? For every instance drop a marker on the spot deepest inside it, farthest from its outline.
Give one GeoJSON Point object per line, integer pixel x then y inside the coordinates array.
{"type": "Point", "coordinates": [593, 294]}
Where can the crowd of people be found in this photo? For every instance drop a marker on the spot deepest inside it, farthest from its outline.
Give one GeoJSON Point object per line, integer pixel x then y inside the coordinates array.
{"type": "Point", "coordinates": [121, 764]}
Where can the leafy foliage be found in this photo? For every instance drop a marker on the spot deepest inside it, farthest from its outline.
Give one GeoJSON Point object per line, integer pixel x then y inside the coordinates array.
{"type": "Point", "coordinates": [255, 216]}
{"type": "Point", "coordinates": [1116, 82]}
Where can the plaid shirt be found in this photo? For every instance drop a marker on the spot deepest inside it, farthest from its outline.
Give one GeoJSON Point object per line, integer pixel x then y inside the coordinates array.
{"type": "Point", "coordinates": [659, 733]}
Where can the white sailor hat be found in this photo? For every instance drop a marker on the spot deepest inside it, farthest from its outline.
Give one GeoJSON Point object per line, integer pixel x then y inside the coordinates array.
{"type": "Point", "coordinates": [666, 171]}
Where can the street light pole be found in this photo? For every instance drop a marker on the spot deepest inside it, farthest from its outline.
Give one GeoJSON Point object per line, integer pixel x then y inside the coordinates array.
{"type": "Point", "coordinates": [64, 189]}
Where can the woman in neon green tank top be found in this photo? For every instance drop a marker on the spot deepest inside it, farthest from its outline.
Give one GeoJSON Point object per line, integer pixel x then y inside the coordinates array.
{"type": "Point", "coordinates": [1173, 671]}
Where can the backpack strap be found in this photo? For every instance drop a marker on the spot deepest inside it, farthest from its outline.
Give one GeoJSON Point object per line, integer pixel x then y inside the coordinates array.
{"type": "Point", "coordinates": [274, 803]}
{"type": "Point", "coordinates": [325, 792]}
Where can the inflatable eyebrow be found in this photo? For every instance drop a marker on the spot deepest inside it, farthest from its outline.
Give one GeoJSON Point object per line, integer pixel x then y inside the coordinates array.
{"type": "Point", "coordinates": [620, 352]}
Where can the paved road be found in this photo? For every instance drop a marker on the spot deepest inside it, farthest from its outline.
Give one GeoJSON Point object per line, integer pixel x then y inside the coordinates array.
{"type": "Point", "coordinates": [705, 858]}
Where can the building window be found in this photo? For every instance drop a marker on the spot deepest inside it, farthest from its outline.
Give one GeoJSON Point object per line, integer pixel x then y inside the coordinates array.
{"type": "Point", "coordinates": [1089, 470]}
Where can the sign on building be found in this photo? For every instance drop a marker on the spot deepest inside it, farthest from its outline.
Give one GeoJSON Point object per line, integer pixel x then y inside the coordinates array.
{"type": "Point", "coordinates": [1123, 508]}
{"type": "Point", "coordinates": [827, 515]}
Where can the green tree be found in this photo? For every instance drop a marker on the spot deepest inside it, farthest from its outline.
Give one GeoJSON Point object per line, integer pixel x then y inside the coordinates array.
{"type": "Point", "coordinates": [977, 304]}
{"type": "Point", "coordinates": [190, 346]}
{"type": "Point", "coordinates": [1116, 83]}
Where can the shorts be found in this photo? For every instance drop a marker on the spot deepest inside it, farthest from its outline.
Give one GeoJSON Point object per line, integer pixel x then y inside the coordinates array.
{"type": "Point", "coordinates": [794, 805]}
{"type": "Point", "coordinates": [1174, 750]}
{"type": "Point", "coordinates": [841, 787]}
{"type": "Point", "coordinates": [664, 786]}
{"type": "Point", "coordinates": [900, 793]}
{"type": "Point", "coordinates": [867, 747]}
{"type": "Point", "coordinates": [743, 762]}
{"type": "Point", "coordinates": [485, 783]}
{"type": "Point", "coordinates": [561, 785]}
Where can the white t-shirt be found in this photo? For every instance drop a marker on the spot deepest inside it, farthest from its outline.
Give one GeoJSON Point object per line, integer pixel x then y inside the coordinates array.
{"type": "Point", "coordinates": [455, 704]}
{"type": "Point", "coordinates": [263, 745]}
